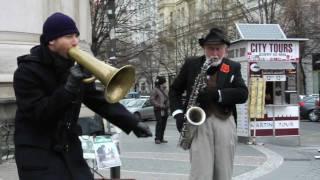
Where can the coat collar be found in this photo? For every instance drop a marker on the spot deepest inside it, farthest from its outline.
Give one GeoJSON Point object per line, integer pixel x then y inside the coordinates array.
{"type": "Point", "coordinates": [42, 55]}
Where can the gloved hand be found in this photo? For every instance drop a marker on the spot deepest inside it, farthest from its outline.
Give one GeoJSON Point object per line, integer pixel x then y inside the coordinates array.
{"type": "Point", "coordinates": [207, 96]}
{"type": "Point", "coordinates": [142, 130]}
{"type": "Point", "coordinates": [77, 73]}
{"type": "Point", "coordinates": [180, 119]}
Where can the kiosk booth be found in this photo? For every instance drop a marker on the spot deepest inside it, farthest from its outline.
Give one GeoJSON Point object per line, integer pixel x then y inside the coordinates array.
{"type": "Point", "coordinates": [269, 64]}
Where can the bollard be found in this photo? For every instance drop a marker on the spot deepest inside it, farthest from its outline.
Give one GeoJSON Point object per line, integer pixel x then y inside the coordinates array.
{"type": "Point", "coordinates": [115, 172]}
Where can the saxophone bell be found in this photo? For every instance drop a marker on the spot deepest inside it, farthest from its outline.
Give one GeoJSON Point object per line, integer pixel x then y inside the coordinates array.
{"type": "Point", "coordinates": [196, 115]}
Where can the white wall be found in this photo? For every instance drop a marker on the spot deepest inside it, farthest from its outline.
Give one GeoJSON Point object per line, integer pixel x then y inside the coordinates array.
{"type": "Point", "coordinates": [21, 26]}
{"type": "Point", "coordinates": [21, 16]}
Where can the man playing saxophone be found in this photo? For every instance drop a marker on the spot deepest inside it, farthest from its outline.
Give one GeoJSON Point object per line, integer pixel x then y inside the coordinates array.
{"type": "Point", "coordinates": [213, 145]}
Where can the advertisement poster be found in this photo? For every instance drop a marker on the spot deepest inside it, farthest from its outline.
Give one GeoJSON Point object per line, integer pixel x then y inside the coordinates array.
{"type": "Point", "coordinates": [102, 149]}
{"type": "Point", "coordinates": [242, 109]}
{"type": "Point", "coordinates": [257, 95]}
{"type": "Point", "coordinates": [87, 147]}
{"type": "Point", "coordinates": [106, 152]}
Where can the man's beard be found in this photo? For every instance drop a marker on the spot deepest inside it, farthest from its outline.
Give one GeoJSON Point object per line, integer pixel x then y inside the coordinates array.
{"type": "Point", "coordinates": [215, 60]}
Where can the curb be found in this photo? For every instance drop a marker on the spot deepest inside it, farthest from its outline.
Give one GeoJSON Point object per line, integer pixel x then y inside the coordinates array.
{"type": "Point", "coordinates": [273, 161]}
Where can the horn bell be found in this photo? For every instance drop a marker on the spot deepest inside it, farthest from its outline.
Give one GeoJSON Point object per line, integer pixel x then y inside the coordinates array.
{"type": "Point", "coordinates": [117, 82]}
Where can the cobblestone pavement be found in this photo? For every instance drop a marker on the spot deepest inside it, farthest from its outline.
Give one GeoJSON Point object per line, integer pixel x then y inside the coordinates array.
{"type": "Point", "coordinates": [298, 154]}
{"type": "Point", "coordinates": [142, 159]}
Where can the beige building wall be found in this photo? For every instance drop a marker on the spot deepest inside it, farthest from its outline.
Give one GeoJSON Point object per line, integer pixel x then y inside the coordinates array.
{"type": "Point", "coordinates": [166, 8]}
{"type": "Point", "coordinates": [183, 22]}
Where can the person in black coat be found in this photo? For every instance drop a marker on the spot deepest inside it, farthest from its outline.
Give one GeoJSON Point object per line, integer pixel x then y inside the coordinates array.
{"type": "Point", "coordinates": [49, 92]}
{"type": "Point", "coordinates": [213, 146]}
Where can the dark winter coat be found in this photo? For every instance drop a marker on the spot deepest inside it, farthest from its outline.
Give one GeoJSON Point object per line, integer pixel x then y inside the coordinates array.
{"type": "Point", "coordinates": [47, 114]}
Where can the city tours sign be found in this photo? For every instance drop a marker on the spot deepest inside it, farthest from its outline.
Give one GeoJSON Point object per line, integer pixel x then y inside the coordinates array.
{"type": "Point", "coordinates": [273, 51]}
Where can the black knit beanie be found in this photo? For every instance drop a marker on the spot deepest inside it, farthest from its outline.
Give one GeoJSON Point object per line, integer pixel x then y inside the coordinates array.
{"type": "Point", "coordinates": [57, 25]}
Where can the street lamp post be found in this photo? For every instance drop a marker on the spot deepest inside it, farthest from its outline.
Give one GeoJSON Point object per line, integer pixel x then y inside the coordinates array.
{"type": "Point", "coordinates": [114, 171]}
{"type": "Point", "coordinates": [112, 20]}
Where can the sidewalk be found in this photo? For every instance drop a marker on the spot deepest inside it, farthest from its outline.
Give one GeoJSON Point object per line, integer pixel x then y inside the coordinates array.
{"type": "Point", "coordinates": [142, 159]}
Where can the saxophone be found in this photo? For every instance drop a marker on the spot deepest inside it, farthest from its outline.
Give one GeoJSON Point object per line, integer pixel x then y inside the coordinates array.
{"type": "Point", "coordinates": [195, 115]}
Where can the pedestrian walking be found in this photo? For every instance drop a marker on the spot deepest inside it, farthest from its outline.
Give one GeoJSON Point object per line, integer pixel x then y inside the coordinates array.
{"type": "Point", "coordinates": [160, 102]}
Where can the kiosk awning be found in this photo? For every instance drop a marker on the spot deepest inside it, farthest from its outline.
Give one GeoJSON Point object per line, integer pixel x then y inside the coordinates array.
{"type": "Point", "coordinates": [260, 31]}
{"type": "Point", "coordinates": [275, 65]}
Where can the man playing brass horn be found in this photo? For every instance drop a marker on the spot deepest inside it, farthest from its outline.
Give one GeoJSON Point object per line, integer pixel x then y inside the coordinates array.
{"type": "Point", "coordinates": [49, 91]}
{"type": "Point", "coordinates": [213, 145]}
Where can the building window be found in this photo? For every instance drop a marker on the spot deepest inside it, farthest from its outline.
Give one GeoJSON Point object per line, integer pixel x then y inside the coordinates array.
{"type": "Point", "coordinates": [231, 53]}
{"type": "Point", "coordinates": [179, 16]}
{"type": "Point", "coordinates": [161, 20]}
{"type": "Point", "coordinates": [182, 15]}
{"type": "Point", "coordinates": [315, 12]}
{"type": "Point", "coordinates": [143, 86]}
{"type": "Point", "coordinates": [242, 52]}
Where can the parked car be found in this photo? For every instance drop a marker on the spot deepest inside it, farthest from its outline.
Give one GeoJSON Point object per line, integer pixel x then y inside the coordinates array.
{"type": "Point", "coordinates": [140, 107]}
{"type": "Point", "coordinates": [132, 95]}
{"type": "Point", "coordinates": [145, 97]}
{"type": "Point", "coordinates": [308, 108]}
{"type": "Point", "coordinates": [125, 101]}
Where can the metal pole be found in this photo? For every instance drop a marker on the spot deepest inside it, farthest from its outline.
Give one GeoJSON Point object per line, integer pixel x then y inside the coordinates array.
{"type": "Point", "coordinates": [254, 132]}
{"type": "Point", "coordinates": [274, 121]}
{"type": "Point", "coordinates": [298, 93]}
{"type": "Point", "coordinates": [115, 171]}
{"type": "Point", "coordinates": [176, 63]}
{"type": "Point", "coordinates": [1, 143]}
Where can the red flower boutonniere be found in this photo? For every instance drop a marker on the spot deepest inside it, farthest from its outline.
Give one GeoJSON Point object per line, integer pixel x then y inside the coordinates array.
{"type": "Point", "coordinates": [225, 68]}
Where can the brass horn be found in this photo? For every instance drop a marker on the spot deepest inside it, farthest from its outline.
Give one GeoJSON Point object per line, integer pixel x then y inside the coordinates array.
{"type": "Point", "coordinates": [117, 82]}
